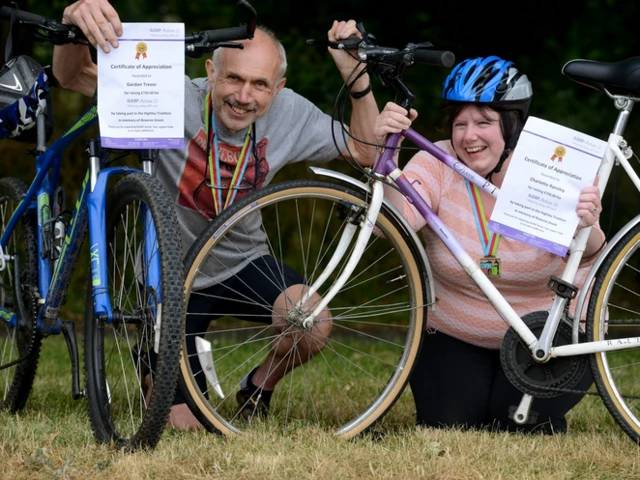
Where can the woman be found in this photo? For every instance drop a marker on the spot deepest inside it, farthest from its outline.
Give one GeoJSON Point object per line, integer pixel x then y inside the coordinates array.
{"type": "Point", "coordinates": [458, 379]}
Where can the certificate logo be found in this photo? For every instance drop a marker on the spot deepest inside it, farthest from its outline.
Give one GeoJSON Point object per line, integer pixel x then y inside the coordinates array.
{"type": "Point", "coordinates": [141, 49]}
{"type": "Point", "coordinates": [558, 153]}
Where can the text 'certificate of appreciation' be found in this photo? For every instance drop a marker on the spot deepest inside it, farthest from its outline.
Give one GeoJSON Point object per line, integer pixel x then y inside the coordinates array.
{"type": "Point", "coordinates": [550, 165]}
{"type": "Point", "coordinates": [141, 88]}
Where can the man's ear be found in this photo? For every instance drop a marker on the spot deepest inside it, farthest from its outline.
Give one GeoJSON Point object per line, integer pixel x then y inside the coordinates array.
{"type": "Point", "coordinates": [211, 69]}
{"type": "Point", "coordinates": [280, 84]}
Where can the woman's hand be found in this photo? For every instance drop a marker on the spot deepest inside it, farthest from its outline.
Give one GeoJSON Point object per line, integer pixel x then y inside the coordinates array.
{"type": "Point", "coordinates": [392, 119]}
{"type": "Point", "coordinates": [589, 206]}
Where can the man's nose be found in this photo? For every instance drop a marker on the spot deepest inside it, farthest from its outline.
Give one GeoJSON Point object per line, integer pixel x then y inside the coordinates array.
{"type": "Point", "coordinates": [244, 95]}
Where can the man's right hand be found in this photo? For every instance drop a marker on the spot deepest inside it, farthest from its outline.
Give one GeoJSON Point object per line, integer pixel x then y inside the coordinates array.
{"type": "Point", "coordinates": [98, 21]}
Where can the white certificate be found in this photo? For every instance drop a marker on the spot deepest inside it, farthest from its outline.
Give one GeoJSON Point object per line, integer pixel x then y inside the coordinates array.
{"type": "Point", "coordinates": [141, 88]}
{"type": "Point", "coordinates": [537, 202]}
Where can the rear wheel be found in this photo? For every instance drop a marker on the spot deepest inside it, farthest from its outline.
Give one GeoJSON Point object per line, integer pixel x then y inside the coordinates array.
{"type": "Point", "coordinates": [131, 363]}
{"type": "Point", "coordinates": [19, 343]}
{"type": "Point", "coordinates": [614, 315]}
{"type": "Point", "coordinates": [364, 345]}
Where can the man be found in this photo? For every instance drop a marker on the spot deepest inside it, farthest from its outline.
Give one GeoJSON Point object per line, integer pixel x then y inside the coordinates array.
{"type": "Point", "coordinates": [241, 106]}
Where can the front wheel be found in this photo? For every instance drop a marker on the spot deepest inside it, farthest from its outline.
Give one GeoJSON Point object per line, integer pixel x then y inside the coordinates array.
{"type": "Point", "coordinates": [19, 342]}
{"type": "Point", "coordinates": [614, 316]}
{"type": "Point", "coordinates": [131, 363]}
{"type": "Point", "coordinates": [247, 277]}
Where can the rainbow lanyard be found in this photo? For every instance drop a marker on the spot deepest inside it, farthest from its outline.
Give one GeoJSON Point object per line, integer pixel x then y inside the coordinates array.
{"type": "Point", "coordinates": [214, 160]}
{"type": "Point", "coordinates": [489, 240]}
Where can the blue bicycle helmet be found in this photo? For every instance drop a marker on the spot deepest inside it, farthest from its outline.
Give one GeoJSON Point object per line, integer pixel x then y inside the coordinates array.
{"type": "Point", "coordinates": [498, 84]}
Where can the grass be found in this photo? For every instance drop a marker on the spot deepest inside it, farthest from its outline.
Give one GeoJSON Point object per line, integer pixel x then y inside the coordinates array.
{"type": "Point", "coordinates": [51, 438]}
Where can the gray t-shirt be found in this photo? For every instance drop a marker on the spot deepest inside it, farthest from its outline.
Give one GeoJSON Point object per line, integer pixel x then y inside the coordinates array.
{"type": "Point", "coordinates": [293, 130]}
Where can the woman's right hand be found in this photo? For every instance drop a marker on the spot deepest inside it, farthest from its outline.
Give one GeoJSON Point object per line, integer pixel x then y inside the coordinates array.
{"type": "Point", "coordinates": [392, 119]}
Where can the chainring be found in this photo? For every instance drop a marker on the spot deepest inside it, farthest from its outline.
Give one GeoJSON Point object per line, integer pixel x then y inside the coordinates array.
{"type": "Point", "coordinates": [556, 376]}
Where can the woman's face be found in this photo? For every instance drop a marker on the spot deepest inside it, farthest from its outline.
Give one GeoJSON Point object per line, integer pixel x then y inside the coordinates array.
{"type": "Point", "coordinates": [477, 138]}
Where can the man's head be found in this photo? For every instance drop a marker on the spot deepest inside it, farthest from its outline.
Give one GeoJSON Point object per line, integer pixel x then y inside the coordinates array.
{"type": "Point", "coordinates": [245, 81]}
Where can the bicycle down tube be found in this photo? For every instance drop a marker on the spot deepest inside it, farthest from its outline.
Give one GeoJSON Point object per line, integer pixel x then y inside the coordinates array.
{"type": "Point", "coordinates": [52, 285]}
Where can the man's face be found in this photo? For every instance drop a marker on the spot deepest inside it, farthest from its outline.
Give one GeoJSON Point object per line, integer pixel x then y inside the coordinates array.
{"type": "Point", "coordinates": [246, 83]}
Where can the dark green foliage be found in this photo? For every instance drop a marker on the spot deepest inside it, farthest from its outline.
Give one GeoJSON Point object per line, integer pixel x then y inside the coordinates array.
{"type": "Point", "coordinates": [539, 36]}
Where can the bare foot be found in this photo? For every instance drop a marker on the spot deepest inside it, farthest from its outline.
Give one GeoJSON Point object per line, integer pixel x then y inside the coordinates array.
{"type": "Point", "coordinates": [181, 418]}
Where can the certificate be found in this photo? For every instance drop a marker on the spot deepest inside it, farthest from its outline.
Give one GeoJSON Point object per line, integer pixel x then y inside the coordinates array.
{"type": "Point", "coordinates": [550, 165]}
{"type": "Point", "coordinates": [141, 88]}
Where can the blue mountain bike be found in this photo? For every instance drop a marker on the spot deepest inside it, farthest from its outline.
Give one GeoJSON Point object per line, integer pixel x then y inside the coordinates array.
{"type": "Point", "coordinates": [133, 318]}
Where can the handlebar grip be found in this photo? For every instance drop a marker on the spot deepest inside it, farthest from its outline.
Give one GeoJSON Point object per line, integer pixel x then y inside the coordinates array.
{"type": "Point", "coordinates": [21, 15]}
{"type": "Point", "coordinates": [220, 35]}
{"type": "Point", "coordinates": [253, 17]}
{"type": "Point", "coordinates": [69, 33]}
{"type": "Point", "coordinates": [350, 43]}
{"type": "Point", "coordinates": [436, 58]}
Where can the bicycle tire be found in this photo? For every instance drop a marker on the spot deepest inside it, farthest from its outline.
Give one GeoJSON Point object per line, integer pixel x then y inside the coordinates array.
{"type": "Point", "coordinates": [129, 395]}
{"type": "Point", "coordinates": [614, 298]}
{"type": "Point", "coordinates": [378, 317]}
{"type": "Point", "coordinates": [19, 338]}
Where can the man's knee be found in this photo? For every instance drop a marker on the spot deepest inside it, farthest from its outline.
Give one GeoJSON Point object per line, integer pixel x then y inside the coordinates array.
{"type": "Point", "coordinates": [291, 307]}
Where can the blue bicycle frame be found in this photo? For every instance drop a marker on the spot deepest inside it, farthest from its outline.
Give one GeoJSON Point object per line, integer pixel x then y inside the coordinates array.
{"type": "Point", "coordinates": [89, 208]}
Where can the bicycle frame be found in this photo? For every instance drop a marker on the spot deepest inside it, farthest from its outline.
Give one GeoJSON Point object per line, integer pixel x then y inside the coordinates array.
{"type": "Point", "coordinates": [541, 347]}
{"type": "Point", "coordinates": [89, 210]}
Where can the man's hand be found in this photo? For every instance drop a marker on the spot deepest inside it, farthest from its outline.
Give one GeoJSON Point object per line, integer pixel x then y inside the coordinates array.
{"type": "Point", "coordinates": [345, 61]}
{"type": "Point", "coordinates": [98, 21]}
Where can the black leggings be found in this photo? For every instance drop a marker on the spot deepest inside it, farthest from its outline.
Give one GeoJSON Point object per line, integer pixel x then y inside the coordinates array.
{"type": "Point", "coordinates": [456, 384]}
{"type": "Point", "coordinates": [262, 281]}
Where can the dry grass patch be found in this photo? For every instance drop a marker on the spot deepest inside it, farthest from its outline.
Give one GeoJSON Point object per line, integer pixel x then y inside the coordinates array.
{"type": "Point", "coordinates": [51, 438]}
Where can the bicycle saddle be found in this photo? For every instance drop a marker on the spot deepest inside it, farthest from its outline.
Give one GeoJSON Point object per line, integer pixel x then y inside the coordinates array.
{"type": "Point", "coordinates": [621, 77]}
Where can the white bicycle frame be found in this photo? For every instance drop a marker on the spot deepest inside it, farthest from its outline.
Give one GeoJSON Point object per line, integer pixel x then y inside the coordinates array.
{"type": "Point", "coordinates": [617, 151]}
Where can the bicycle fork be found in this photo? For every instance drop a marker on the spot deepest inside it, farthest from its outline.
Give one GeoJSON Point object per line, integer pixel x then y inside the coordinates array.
{"type": "Point", "coordinates": [365, 225]}
{"type": "Point", "coordinates": [96, 203]}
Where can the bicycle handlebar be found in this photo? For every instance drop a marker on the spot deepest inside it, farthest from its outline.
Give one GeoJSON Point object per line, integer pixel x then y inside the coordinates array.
{"type": "Point", "coordinates": [196, 44]}
{"type": "Point", "coordinates": [388, 64]}
{"type": "Point", "coordinates": [49, 30]}
{"type": "Point", "coordinates": [206, 41]}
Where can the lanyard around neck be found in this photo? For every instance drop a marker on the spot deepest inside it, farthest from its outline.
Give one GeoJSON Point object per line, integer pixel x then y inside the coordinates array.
{"type": "Point", "coordinates": [214, 160]}
{"type": "Point", "coordinates": [488, 239]}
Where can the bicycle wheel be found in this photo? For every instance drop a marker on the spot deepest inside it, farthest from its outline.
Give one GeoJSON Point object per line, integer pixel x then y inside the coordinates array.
{"type": "Point", "coordinates": [365, 345]}
{"type": "Point", "coordinates": [129, 394]}
{"type": "Point", "coordinates": [614, 316]}
{"type": "Point", "coordinates": [19, 343]}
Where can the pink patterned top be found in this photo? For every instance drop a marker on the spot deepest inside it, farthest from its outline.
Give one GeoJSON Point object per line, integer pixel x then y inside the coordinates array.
{"type": "Point", "coordinates": [462, 311]}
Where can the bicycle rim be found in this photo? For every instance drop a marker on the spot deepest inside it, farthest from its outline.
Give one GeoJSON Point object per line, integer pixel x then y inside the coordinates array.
{"type": "Point", "coordinates": [370, 339]}
{"type": "Point", "coordinates": [614, 315]}
{"type": "Point", "coordinates": [130, 385]}
{"type": "Point", "coordinates": [19, 343]}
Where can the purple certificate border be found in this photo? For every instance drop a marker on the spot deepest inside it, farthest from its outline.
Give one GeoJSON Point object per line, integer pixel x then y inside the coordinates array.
{"type": "Point", "coordinates": [528, 238]}
{"type": "Point", "coordinates": [139, 143]}
{"type": "Point", "coordinates": [142, 142]}
{"type": "Point", "coordinates": [572, 147]}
